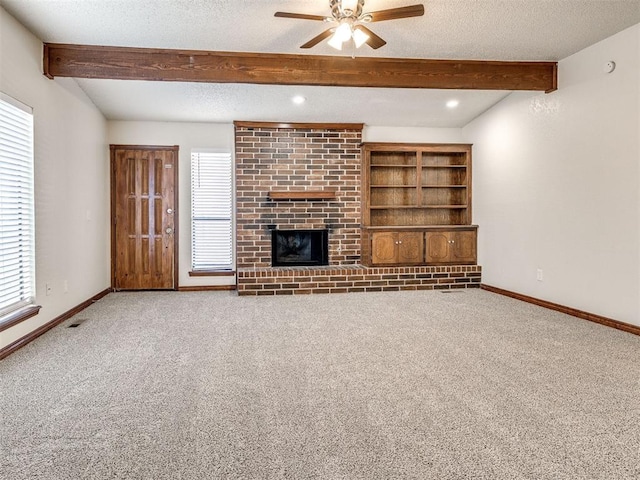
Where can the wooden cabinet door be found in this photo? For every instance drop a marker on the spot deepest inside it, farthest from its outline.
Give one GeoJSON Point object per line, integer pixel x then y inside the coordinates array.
{"type": "Point", "coordinates": [410, 247]}
{"type": "Point", "coordinates": [144, 203]}
{"type": "Point", "coordinates": [391, 248]}
{"type": "Point", "coordinates": [437, 247]}
{"type": "Point", "coordinates": [384, 248]}
{"type": "Point", "coordinates": [463, 247]}
{"type": "Point", "coordinates": [455, 247]}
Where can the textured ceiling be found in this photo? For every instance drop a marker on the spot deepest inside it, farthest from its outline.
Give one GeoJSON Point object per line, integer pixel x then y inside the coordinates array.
{"type": "Point", "coordinates": [546, 30]}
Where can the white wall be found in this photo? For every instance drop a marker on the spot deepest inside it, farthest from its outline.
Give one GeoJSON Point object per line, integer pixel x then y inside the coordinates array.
{"type": "Point", "coordinates": [187, 136]}
{"type": "Point", "coordinates": [557, 181]}
{"type": "Point", "coordinates": [71, 180]}
{"type": "Point", "coordinates": [411, 134]}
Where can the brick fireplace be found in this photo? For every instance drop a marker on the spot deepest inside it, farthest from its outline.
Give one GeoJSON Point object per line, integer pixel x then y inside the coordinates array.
{"type": "Point", "coordinates": [271, 161]}
{"type": "Point", "coordinates": [307, 177]}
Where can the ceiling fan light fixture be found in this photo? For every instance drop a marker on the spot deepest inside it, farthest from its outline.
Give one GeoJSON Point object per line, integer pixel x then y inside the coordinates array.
{"type": "Point", "coordinates": [359, 38]}
{"type": "Point", "coordinates": [335, 42]}
{"type": "Point", "coordinates": [349, 17]}
{"type": "Point", "coordinates": [342, 34]}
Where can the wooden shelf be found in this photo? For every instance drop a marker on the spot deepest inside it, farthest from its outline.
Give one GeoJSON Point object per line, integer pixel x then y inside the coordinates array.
{"type": "Point", "coordinates": [391, 165]}
{"type": "Point", "coordinates": [444, 166]}
{"type": "Point", "coordinates": [424, 228]}
{"type": "Point", "coordinates": [302, 195]}
{"type": "Point", "coordinates": [414, 186]}
{"type": "Point", "coordinates": [410, 207]}
{"type": "Point", "coordinates": [393, 186]}
{"type": "Point", "coordinates": [450, 207]}
{"type": "Point", "coordinates": [394, 207]}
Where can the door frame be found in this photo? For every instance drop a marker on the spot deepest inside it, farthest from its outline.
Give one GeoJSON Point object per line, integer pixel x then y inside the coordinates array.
{"type": "Point", "coordinates": [112, 203]}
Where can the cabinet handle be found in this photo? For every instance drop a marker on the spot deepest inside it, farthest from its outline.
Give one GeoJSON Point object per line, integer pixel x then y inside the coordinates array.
{"type": "Point", "coordinates": [399, 243]}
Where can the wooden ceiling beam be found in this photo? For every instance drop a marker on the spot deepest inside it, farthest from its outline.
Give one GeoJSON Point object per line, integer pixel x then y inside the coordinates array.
{"type": "Point", "coordinates": [125, 63]}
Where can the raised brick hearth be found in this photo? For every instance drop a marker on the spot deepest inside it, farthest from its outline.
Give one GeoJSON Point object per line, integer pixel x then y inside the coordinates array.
{"type": "Point", "coordinates": [325, 161]}
{"type": "Point", "coordinates": [299, 280]}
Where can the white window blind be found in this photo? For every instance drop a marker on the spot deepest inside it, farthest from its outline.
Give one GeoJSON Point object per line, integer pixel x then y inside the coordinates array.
{"type": "Point", "coordinates": [17, 272]}
{"type": "Point", "coordinates": [211, 211]}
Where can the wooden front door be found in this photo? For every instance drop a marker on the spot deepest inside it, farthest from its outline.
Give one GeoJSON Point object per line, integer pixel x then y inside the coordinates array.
{"type": "Point", "coordinates": [144, 201]}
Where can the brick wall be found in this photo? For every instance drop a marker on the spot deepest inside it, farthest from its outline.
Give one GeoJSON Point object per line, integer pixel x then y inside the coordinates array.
{"type": "Point", "coordinates": [269, 158]}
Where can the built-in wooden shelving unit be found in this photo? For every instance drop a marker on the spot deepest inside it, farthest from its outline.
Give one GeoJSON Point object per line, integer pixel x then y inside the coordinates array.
{"type": "Point", "coordinates": [417, 204]}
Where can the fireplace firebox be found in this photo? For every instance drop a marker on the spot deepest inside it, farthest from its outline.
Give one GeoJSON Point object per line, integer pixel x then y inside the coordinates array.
{"type": "Point", "coordinates": [299, 247]}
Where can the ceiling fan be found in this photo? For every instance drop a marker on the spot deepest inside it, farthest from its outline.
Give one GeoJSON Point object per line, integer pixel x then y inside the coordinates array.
{"type": "Point", "coordinates": [349, 17]}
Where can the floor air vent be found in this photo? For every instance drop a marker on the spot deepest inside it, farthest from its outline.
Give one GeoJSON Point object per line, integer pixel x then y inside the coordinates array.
{"type": "Point", "coordinates": [77, 323]}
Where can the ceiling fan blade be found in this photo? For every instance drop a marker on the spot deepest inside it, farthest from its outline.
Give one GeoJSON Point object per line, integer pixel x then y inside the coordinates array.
{"type": "Point", "coordinates": [395, 13]}
{"type": "Point", "coordinates": [374, 41]}
{"type": "Point", "coordinates": [302, 16]}
{"type": "Point", "coordinates": [317, 39]}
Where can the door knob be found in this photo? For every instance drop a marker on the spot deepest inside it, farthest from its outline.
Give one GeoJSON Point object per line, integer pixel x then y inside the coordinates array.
{"type": "Point", "coordinates": [169, 230]}
{"type": "Point", "coordinates": [170, 211]}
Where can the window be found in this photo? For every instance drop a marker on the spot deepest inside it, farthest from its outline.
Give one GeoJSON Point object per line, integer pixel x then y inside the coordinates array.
{"type": "Point", "coordinates": [211, 207]}
{"type": "Point", "coordinates": [17, 272]}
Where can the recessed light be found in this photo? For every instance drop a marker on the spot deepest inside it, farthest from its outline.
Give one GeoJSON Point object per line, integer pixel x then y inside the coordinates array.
{"type": "Point", "coordinates": [298, 99]}
{"type": "Point", "coordinates": [453, 103]}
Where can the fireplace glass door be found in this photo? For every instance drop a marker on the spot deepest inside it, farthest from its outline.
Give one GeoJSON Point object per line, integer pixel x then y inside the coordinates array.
{"type": "Point", "coordinates": [299, 247]}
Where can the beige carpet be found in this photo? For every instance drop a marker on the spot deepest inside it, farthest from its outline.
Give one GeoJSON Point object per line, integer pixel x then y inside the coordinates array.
{"type": "Point", "coordinates": [422, 385]}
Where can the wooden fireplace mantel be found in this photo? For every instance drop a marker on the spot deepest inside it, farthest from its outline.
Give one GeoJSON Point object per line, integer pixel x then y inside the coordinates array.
{"type": "Point", "coordinates": [302, 194]}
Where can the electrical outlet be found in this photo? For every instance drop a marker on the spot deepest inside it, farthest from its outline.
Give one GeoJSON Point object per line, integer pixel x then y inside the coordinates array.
{"type": "Point", "coordinates": [539, 275]}
{"type": "Point", "coordinates": [47, 289]}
